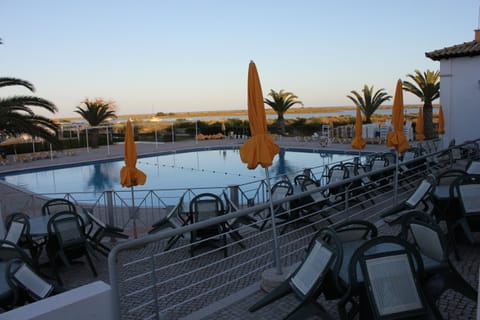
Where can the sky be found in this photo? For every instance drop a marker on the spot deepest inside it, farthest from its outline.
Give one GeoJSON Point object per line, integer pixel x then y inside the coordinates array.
{"type": "Point", "coordinates": [154, 56]}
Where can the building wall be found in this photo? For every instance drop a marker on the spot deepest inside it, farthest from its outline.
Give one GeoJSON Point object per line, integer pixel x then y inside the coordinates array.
{"type": "Point", "coordinates": [460, 98]}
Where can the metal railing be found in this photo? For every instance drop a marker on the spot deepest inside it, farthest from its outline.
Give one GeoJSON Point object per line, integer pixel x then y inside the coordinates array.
{"type": "Point", "coordinates": [149, 282]}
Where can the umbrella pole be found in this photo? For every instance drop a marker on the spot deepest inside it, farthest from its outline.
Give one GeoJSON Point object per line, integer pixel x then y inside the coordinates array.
{"type": "Point", "coordinates": [395, 179]}
{"type": "Point", "coordinates": [276, 253]}
{"type": "Point", "coordinates": [133, 215]}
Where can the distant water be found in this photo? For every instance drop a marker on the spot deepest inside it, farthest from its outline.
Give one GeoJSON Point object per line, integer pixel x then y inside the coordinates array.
{"type": "Point", "coordinates": [304, 115]}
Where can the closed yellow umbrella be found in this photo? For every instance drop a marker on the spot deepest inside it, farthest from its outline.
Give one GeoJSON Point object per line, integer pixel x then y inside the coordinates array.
{"type": "Point", "coordinates": [358, 142]}
{"type": "Point", "coordinates": [396, 138]}
{"type": "Point", "coordinates": [419, 134]}
{"type": "Point", "coordinates": [260, 148]}
{"type": "Point", "coordinates": [130, 176]}
{"type": "Point", "coordinates": [441, 121]}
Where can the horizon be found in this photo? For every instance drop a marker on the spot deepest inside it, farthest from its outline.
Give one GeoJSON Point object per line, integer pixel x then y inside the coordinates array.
{"type": "Point", "coordinates": [192, 56]}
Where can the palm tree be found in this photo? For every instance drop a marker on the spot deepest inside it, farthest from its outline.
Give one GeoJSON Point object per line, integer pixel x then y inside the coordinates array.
{"type": "Point", "coordinates": [95, 113]}
{"type": "Point", "coordinates": [370, 101]}
{"type": "Point", "coordinates": [426, 87]}
{"type": "Point", "coordinates": [282, 101]}
{"type": "Point", "coordinates": [17, 116]}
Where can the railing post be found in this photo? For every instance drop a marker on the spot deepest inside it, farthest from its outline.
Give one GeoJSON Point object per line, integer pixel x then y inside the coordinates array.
{"type": "Point", "coordinates": [109, 196]}
{"type": "Point", "coordinates": [234, 194]}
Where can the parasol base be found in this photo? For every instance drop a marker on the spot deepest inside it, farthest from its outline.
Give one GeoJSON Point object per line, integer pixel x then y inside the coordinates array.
{"type": "Point", "coordinates": [272, 279]}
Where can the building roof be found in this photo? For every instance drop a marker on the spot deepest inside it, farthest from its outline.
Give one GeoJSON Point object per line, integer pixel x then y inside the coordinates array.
{"type": "Point", "coordinates": [467, 49]}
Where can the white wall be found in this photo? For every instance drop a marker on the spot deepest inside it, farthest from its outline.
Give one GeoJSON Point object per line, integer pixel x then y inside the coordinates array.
{"type": "Point", "coordinates": [92, 301]}
{"type": "Point", "coordinates": [460, 98]}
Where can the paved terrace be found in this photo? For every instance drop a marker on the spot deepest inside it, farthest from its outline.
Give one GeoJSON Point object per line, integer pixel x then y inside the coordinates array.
{"type": "Point", "coordinates": [234, 307]}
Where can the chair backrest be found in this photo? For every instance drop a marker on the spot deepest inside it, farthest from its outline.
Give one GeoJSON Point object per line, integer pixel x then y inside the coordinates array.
{"type": "Point", "coordinates": [307, 278]}
{"type": "Point", "coordinates": [429, 240]}
{"type": "Point", "coordinates": [468, 191]}
{"type": "Point", "coordinates": [390, 270]}
{"type": "Point", "coordinates": [15, 231]}
{"type": "Point", "coordinates": [309, 185]}
{"type": "Point", "coordinates": [449, 176]}
{"type": "Point", "coordinates": [54, 206]}
{"type": "Point", "coordinates": [68, 229]}
{"type": "Point", "coordinates": [281, 189]}
{"type": "Point", "coordinates": [352, 169]}
{"type": "Point", "coordinates": [378, 163]}
{"type": "Point", "coordinates": [337, 173]}
{"type": "Point", "coordinates": [330, 238]}
{"type": "Point", "coordinates": [473, 167]}
{"type": "Point", "coordinates": [298, 180]}
{"type": "Point", "coordinates": [422, 191]}
{"type": "Point", "coordinates": [354, 230]}
{"type": "Point", "coordinates": [21, 275]}
{"type": "Point", "coordinates": [18, 227]}
{"type": "Point", "coordinates": [205, 206]}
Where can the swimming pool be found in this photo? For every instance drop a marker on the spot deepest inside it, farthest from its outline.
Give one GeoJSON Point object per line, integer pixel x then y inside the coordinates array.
{"type": "Point", "coordinates": [194, 169]}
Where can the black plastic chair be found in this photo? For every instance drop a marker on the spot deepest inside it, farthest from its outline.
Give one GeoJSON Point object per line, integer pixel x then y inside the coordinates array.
{"type": "Point", "coordinates": [27, 284]}
{"type": "Point", "coordinates": [444, 180]}
{"type": "Point", "coordinates": [466, 189]}
{"type": "Point", "coordinates": [420, 196]}
{"type": "Point", "coordinates": [336, 174]}
{"type": "Point", "coordinates": [429, 240]}
{"type": "Point", "coordinates": [280, 190]}
{"type": "Point", "coordinates": [57, 205]}
{"type": "Point", "coordinates": [306, 282]}
{"type": "Point", "coordinates": [67, 241]}
{"type": "Point", "coordinates": [175, 218]}
{"type": "Point", "coordinates": [315, 202]}
{"type": "Point", "coordinates": [343, 239]}
{"type": "Point", "coordinates": [18, 232]}
{"type": "Point", "coordinates": [8, 252]}
{"type": "Point", "coordinates": [100, 230]}
{"type": "Point", "coordinates": [361, 187]}
{"type": "Point", "coordinates": [384, 280]}
{"type": "Point", "coordinates": [203, 207]}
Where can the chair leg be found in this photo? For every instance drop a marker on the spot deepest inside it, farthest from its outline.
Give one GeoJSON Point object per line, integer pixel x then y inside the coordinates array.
{"type": "Point", "coordinates": [90, 262]}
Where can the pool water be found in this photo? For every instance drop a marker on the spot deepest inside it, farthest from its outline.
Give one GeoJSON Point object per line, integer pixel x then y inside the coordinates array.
{"type": "Point", "coordinates": [195, 169]}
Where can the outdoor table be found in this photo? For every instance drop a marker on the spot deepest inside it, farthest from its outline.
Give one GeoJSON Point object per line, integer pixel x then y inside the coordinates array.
{"type": "Point", "coordinates": [39, 224]}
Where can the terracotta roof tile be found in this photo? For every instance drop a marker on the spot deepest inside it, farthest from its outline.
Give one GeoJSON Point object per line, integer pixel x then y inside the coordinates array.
{"type": "Point", "coordinates": [467, 49]}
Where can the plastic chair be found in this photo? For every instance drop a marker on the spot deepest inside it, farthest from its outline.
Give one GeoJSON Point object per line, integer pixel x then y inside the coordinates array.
{"type": "Point", "coordinates": [100, 230]}
{"type": "Point", "coordinates": [429, 240]}
{"type": "Point", "coordinates": [67, 241]}
{"type": "Point", "coordinates": [419, 196]}
{"type": "Point", "coordinates": [305, 282]}
{"type": "Point", "coordinates": [384, 280]}
{"type": "Point", "coordinates": [315, 202]}
{"type": "Point", "coordinates": [203, 207]}
{"type": "Point", "coordinates": [27, 284]}
{"type": "Point", "coordinates": [18, 232]}
{"type": "Point", "coordinates": [173, 219]}
{"type": "Point", "coordinates": [280, 190]}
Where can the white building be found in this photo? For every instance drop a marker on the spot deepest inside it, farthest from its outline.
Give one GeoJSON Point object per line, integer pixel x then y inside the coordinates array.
{"type": "Point", "coordinates": [460, 89]}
